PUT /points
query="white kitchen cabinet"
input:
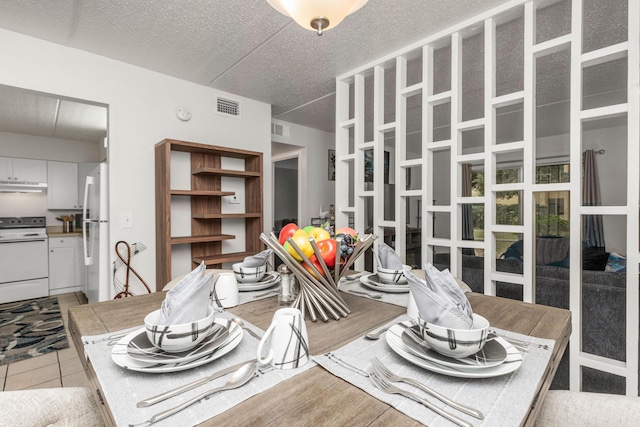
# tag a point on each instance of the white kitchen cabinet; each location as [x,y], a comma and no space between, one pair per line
[63,185]
[23,170]
[62,263]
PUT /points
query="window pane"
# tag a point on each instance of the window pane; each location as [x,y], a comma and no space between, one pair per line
[442,69]
[442,122]
[510,124]
[473,77]
[552,108]
[609,135]
[413,135]
[604,23]
[553,21]
[604,84]
[508,207]
[552,213]
[390,94]
[441,175]
[414,67]
[552,174]
[472,141]
[510,56]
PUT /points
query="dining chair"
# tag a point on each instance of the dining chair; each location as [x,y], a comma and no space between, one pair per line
[563,408]
[69,407]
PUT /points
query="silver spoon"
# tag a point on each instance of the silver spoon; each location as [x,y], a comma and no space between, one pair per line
[240,377]
[240,323]
[376,335]
[374,296]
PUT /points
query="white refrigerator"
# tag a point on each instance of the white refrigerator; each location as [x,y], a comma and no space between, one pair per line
[95,234]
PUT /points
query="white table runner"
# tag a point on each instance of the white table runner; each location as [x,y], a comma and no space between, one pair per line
[504,400]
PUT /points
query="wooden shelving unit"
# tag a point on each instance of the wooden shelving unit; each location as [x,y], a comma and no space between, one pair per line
[206,205]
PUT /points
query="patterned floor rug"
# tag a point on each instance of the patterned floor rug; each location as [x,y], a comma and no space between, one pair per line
[30,328]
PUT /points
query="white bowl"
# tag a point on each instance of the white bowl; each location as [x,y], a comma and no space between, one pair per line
[456,343]
[248,274]
[388,275]
[176,338]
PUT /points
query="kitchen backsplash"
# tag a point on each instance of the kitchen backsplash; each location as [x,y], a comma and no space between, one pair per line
[29,204]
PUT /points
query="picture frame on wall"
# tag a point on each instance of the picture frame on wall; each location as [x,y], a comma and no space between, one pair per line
[368,166]
[332,165]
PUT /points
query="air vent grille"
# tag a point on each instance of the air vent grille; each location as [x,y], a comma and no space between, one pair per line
[228,107]
[279,130]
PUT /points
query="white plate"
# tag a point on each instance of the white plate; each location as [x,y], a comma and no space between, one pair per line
[121,358]
[492,354]
[268,280]
[511,363]
[141,349]
[371,281]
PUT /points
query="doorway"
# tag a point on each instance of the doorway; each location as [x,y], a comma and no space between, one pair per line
[285,192]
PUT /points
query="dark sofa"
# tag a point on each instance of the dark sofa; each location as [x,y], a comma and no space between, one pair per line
[603,313]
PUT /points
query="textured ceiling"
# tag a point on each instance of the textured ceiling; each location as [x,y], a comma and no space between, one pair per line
[244,47]
[247,48]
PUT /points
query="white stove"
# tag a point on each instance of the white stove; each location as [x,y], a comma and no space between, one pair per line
[24,258]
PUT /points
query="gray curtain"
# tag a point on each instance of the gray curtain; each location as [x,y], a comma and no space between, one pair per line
[592,232]
[467,213]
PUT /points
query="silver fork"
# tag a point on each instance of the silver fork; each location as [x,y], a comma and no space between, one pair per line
[386,373]
[383,385]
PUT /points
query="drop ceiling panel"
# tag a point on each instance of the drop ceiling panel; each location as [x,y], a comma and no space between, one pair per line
[83,122]
[26,112]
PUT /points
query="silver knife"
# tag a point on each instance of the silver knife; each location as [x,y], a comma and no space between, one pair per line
[176,391]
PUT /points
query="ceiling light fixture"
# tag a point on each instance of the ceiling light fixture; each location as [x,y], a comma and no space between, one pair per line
[317,15]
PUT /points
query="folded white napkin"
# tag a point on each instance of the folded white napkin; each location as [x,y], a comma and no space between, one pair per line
[188,300]
[388,258]
[257,260]
[440,299]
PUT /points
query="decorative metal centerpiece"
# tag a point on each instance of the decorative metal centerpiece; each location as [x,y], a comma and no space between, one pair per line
[318,295]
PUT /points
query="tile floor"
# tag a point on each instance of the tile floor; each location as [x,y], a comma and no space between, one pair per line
[57,369]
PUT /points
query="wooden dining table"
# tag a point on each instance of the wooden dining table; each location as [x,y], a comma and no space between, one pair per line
[317,397]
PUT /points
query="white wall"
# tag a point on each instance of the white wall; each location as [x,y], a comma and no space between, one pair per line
[44,148]
[141,113]
[314,148]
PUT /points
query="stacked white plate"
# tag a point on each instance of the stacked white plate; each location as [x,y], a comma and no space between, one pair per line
[499,358]
[372,281]
[271,278]
[136,353]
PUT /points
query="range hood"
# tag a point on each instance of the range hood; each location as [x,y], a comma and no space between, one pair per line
[22,187]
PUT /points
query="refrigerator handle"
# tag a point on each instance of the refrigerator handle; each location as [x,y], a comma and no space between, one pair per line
[85,209]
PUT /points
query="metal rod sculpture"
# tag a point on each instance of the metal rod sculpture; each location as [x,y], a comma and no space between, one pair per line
[319,295]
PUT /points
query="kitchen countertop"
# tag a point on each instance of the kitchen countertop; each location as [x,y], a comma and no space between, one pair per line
[56,231]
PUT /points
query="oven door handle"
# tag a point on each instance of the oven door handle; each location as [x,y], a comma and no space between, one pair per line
[23,241]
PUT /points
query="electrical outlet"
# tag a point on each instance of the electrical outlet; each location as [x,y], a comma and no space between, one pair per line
[234,200]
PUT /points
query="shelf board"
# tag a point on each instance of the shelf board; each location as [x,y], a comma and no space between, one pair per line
[181,240]
[222,258]
[225,172]
[201,193]
[226,215]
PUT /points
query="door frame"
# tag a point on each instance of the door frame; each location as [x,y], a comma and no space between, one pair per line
[293,154]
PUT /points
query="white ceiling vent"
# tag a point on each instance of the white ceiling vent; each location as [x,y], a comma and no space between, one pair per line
[279,130]
[228,107]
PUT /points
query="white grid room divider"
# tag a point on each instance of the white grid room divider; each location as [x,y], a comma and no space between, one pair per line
[518,93]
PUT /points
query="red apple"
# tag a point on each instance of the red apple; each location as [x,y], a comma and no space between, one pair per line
[328,249]
[316,264]
[286,232]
